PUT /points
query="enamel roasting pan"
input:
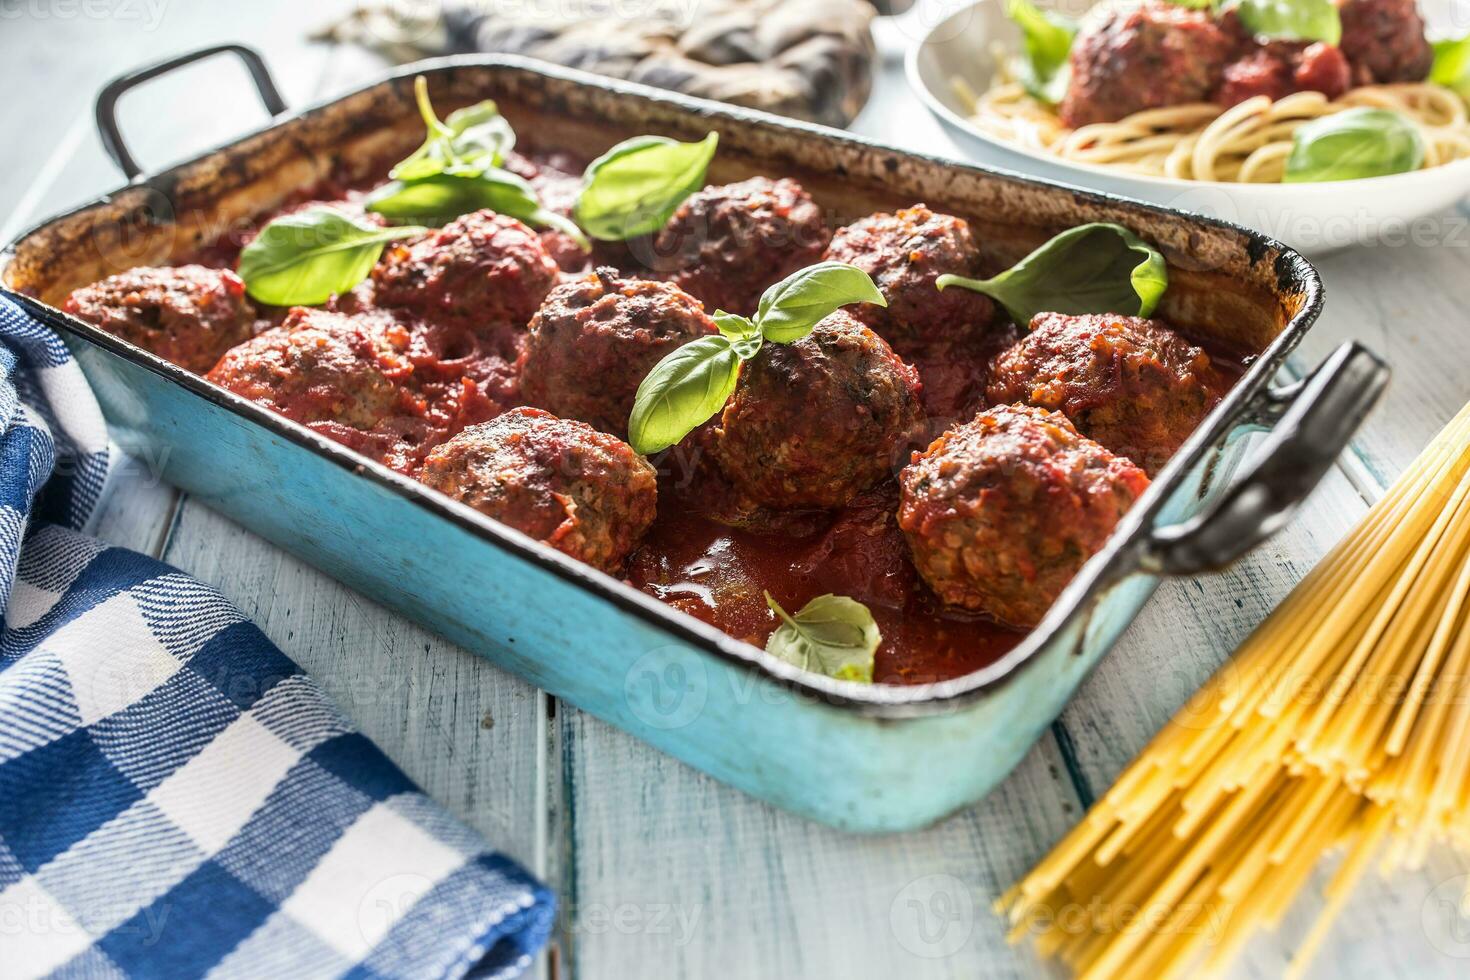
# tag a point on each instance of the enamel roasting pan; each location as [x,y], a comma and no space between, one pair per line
[867,758]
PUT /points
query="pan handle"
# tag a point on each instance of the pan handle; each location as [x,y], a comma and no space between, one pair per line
[1316,419]
[107,127]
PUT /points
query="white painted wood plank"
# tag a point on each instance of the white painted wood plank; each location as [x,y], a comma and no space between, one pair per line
[667,866]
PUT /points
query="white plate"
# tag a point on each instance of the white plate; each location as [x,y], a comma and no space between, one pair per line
[1312,218]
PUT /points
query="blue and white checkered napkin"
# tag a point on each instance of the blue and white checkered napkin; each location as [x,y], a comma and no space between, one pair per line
[176,798]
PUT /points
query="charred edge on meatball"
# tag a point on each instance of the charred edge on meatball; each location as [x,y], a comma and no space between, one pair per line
[585,493]
[1001,512]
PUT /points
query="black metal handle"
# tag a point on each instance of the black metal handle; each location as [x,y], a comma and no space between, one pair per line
[1317,419]
[107,127]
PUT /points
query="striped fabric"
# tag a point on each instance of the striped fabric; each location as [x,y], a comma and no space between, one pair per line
[176,798]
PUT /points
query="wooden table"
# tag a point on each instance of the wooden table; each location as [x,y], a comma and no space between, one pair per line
[660,869]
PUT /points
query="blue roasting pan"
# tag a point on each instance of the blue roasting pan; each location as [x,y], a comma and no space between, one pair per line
[836,752]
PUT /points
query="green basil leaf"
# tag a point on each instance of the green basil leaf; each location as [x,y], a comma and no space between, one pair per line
[831,635]
[792,307]
[304,259]
[1352,144]
[1093,268]
[682,392]
[636,186]
[735,326]
[444,197]
[1046,39]
[1452,65]
[1290,20]
[473,140]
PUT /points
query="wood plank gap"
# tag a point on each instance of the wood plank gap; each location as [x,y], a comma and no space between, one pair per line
[1067,749]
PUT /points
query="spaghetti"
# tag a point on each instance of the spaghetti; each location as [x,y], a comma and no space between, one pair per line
[1246,143]
[1340,723]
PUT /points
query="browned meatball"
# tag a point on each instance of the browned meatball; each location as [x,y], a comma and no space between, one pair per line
[1002,511]
[814,423]
[1130,58]
[483,268]
[1134,385]
[189,315]
[905,253]
[726,244]
[581,491]
[1385,42]
[1279,68]
[595,339]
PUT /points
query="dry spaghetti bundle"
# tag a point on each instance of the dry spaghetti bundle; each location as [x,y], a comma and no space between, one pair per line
[1342,722]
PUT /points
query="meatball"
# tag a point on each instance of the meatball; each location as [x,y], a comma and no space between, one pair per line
[1280,68]
[189,315]
[1384,41]
[1134,385]
[726,244]
[483,268]
[596,338]
[905,253]
[1001,511]
[581,491]
[1130,58]
[813,423]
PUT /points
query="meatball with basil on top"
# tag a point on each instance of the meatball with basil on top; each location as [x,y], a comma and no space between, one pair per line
[189,315]
[815,422]
[1001,512]
[1133,385]
[595,339]
[904,253]
[726,244]
[483,268]
[585,493]
[1131,57]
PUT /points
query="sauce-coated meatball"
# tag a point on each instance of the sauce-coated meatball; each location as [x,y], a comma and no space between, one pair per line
[581,491]
[596,338]
[1280,68]
[1129,57]
[1384,40]
[726,244]
[189,315]
[813,423]
[1133,385]
[483,268]
[1002,511]
[904,253]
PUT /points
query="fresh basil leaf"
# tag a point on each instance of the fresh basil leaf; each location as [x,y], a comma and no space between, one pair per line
[473,140]
[682,392]
[1452,65]
[792,307]
[444,197]
[832,635]
[636,186]
[1290,20]
[735,326]
[1094,268]
[1046,39]
[304,259]
[1352,144]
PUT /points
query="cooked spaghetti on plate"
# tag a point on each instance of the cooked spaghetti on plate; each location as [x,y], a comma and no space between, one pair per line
[1258,91]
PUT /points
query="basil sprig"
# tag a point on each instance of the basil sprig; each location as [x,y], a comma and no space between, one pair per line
[1288,20]
[1046,38]
[458,170]
[1451,67]
[470,142]
[1094,268]
[635,187]
[692,383]
[304,259]
[832,635]
[1352,144]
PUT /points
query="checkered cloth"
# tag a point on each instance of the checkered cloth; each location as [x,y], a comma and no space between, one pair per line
[176,798]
